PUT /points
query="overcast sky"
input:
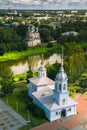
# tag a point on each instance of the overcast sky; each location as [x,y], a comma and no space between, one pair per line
[44,4]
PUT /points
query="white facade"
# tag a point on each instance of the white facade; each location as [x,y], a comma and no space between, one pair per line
[38,83]
[33,37]
[70,33]
[52,97]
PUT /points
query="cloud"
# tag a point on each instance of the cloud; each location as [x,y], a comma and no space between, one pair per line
[74,3]
[44,4]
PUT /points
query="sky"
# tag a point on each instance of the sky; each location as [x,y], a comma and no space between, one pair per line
[43,4]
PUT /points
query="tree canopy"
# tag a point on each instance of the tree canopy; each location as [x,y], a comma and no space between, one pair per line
[10,40]
[75,62]
[6,80]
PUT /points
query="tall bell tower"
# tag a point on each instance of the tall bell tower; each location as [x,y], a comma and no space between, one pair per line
[60,91]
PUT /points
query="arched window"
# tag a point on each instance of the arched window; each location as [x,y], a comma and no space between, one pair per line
[63,101]
[55,85]
[43,74]
[64,87]
[59,86]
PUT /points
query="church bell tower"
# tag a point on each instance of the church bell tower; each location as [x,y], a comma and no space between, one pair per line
[60,91]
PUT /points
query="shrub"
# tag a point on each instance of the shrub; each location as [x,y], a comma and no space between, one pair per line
[38,112]
[50,44]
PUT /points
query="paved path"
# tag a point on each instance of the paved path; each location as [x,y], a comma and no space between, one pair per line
[9,119]
[75,122]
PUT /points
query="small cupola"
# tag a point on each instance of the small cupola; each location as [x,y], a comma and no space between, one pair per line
[42,69]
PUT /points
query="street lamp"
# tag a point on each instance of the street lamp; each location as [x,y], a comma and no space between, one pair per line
[17,106]
[28,121]
[0,110]
[7,99]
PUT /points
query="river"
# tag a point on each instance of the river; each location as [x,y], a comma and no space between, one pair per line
[21,66]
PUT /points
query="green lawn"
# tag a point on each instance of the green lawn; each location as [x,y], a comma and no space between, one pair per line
[21,97]
[15,55]
[35,51]
[20,77]
[32,51]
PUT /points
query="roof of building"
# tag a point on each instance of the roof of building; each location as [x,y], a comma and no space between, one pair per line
[61,75]
[70,32]
[45,96]
[41,81]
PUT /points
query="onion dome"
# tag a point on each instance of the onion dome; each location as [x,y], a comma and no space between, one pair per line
[61,76]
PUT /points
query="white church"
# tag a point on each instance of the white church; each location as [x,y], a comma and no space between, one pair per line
[33,36]
[52,96]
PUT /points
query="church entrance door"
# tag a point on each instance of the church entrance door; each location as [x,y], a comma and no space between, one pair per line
[63,113]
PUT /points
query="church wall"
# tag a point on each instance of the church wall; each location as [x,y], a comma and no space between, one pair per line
[32,88]
[60,97]
[63,96]
[54,115]
[34,42]
[47,113]
[39,88]
[51,86]
[71,110]
[41,106]
[33,38]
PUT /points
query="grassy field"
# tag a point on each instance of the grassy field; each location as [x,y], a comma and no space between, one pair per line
[33,51]
[20,97]
[20,77]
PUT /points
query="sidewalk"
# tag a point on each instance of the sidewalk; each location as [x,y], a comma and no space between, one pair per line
[9,119]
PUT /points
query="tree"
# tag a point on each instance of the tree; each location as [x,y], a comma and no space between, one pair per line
[50,45]
[6,80]
[2,49]
[52,70]
[45,34]
[11,40]
[21,30]
[29,73]
[83,83]
[74,61]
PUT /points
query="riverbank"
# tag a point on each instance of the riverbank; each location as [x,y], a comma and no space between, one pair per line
[47,51]
[32,51]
